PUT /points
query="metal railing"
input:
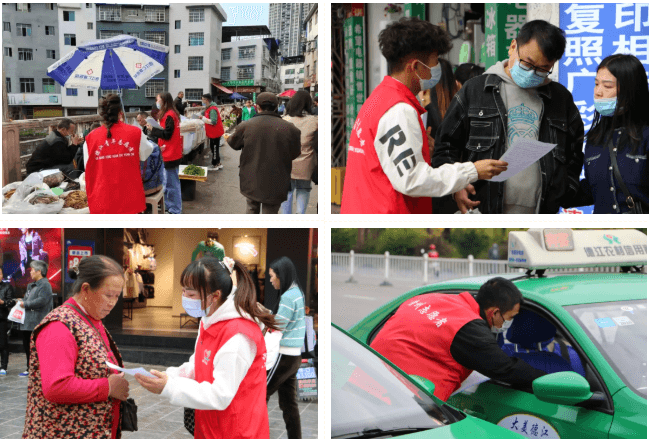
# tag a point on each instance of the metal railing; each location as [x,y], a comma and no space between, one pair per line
[386,268]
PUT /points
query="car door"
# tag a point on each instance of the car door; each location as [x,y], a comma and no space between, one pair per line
[522,412]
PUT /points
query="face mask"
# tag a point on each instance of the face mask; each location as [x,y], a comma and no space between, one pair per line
[193,307]
[436,73]
[605,106]
[525,79]
[503,328]
[158,105]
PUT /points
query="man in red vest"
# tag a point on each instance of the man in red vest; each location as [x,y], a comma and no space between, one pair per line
[388,159]
[213,129]
[444,337]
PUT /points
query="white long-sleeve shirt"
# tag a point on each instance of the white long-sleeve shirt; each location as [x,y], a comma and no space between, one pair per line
[419,179]
[230,365]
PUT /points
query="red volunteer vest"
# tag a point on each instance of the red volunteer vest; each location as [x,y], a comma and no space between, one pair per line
[172,149]
[366,188]
[213,131]
[113,180]
[418,338]
[246,417]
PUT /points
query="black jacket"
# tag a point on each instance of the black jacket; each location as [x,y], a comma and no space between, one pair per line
[7,295]
[178,103]
[53,151]
[475,128]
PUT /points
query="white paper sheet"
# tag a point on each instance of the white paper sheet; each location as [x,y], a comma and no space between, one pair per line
[196,115]
[139,370]
[521,155]
[154,123]
[471,383]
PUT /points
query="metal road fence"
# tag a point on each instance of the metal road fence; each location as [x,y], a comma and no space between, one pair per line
[386,267]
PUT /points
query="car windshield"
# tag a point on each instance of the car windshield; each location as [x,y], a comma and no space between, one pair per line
[619,330]
[370,397]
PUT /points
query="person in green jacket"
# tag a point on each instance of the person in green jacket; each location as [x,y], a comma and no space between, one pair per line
[248,112]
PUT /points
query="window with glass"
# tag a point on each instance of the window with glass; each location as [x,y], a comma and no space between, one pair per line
[23,7]
[109,13]
[106,33]
[153,88]
[246,72]
[89,5]
[177,24]
[193,94]
[177,73]
[50,53]
[155,36]
[6,26]
[289,71]
[247,52]
[196,15]
[302,70]
[196,39]
[154,13]
[131,13]
[225,54]
[72,92]
[91,93]
[109,92]
[177,48]
[23,30]
[68,15]
[27,85]
[49,30]
[8,84]
[70,39]
[50,6]
[194,63]
[90,25]
[8,52]
[25,54]
[225,73]
[48,85]
[288,81]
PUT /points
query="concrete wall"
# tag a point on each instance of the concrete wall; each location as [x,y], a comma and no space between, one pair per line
[551,13]
[163,241]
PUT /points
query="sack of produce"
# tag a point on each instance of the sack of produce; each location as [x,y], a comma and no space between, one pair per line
[75,202]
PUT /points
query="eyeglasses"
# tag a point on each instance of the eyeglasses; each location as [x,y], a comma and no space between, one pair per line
[525,65]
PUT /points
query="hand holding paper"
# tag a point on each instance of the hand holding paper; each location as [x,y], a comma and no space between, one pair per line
[153,123]
[521,155]
[139,370]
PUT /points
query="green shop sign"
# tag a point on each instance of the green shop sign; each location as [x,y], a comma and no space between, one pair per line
[241,83]
[502,24]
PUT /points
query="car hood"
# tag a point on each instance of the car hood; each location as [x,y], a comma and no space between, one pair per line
[469,427]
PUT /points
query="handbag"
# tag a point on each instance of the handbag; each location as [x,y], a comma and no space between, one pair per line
[188,419]
[634,206]
[128,408]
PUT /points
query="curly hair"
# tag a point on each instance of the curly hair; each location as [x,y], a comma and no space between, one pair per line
[411,38]
[109,108]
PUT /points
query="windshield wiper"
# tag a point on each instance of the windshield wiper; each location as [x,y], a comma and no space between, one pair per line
[377,432]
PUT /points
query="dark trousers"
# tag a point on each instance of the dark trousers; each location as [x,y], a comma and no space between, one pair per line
[282,378]
[214,147]
[253,207]
[27,335]
[4,344]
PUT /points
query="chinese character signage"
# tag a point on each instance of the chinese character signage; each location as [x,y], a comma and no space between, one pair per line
[502,24]
[238,83]
[307,380]
[75,250]
[593,32]
[355,72]
[529,426]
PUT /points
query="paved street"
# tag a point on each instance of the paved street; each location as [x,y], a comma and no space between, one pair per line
[156,418]
[220,193]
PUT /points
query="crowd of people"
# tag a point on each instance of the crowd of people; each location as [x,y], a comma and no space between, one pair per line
[123,164]
[401,162]
[227,382]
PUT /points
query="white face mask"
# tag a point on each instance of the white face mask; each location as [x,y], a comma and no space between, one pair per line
[503,328]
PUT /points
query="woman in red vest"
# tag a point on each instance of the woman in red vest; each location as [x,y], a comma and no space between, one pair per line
[213,129]
[112,155]
[171,145]
[225,379]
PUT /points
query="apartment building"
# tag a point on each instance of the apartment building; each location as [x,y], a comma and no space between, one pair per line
[286,24]
[311,51]
[77,25]
[195,43]
[30,45]
[292,76]
[147,22]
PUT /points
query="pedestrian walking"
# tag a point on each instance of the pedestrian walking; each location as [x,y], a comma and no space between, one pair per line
[291,317]
[171,145]
[213,129]
[7,301]
[298,113]
[72,393]
[268,146]
[224,380]
[248,111]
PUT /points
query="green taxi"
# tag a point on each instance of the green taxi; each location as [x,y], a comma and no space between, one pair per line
[587,329]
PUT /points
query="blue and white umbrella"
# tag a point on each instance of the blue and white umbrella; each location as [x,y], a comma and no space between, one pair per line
[121,62]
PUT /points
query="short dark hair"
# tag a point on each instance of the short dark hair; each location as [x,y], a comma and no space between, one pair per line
[467,71]
[631,95]
[299,103]
[93,270]
[207,96]
[411,37]
[550,38]
[65,123]
[143,114]
[268,107]
[498,292]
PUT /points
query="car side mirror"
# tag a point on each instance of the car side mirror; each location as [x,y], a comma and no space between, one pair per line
[568,388]
[424,383]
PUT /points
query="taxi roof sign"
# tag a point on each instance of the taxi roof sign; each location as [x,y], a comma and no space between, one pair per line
[549,248]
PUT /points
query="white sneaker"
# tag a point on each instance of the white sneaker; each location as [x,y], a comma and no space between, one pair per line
[213,168]
[23,374]
[219,166]
[3,372]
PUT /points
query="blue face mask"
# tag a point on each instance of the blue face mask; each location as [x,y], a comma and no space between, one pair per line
[436,73]
[193,307]
[525,79]
[158,105]
[605,106]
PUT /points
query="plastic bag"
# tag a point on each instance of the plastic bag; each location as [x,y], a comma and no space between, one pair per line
[17,314]
[272,341]
[9,187]
[25,207]
[188,142]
